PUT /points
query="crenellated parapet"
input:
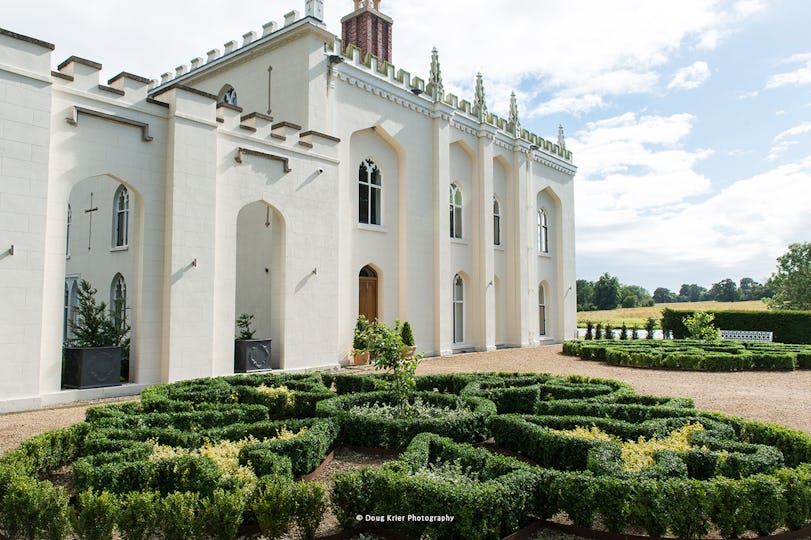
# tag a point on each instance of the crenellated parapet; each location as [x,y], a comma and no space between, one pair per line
[432,92]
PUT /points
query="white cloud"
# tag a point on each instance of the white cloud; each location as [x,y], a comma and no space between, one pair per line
[630,166]
[574,105]
[801,75]
[690,77]
[727,230]
[786,139]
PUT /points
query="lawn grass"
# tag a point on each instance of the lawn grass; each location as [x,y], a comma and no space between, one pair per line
[637,316]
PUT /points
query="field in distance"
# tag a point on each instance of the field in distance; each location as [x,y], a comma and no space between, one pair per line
[638,315]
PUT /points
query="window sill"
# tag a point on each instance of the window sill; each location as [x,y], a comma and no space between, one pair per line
[372,228]
[499,247]
[459,241]
[545,255]
[119,248]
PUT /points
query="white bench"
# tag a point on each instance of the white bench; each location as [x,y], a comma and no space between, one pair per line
[746,335]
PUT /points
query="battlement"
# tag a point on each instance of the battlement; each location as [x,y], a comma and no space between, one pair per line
[233,47]
[417,86]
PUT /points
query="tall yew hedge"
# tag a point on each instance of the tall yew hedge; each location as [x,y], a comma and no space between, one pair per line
[787,326]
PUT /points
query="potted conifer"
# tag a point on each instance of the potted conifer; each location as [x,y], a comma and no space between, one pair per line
[409,345]
[360,342]
[92,359]
[251,354]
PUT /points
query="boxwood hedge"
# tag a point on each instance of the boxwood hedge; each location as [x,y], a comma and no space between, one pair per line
[732,475]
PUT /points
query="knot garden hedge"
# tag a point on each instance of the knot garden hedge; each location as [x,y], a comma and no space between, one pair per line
[694,355]
[204,458]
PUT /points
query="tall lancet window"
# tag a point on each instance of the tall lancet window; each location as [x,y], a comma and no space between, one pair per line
[67,232]
[541,311]
[370,187]
[121,215]
[118,301]
[496,222]
[456,211]
[543,231]
[458,309]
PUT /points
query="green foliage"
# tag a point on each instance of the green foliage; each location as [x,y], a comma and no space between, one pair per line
[96,516]
[94,326]
[407,335]
[487,494]
[791,283]
[138,515]
[787,326]
[650,326]
[360,340]
[607,292]
[624,332]
[34,509]
[222,513]
[364,428]
[589,330]
[273,505]
[699,326]
[309,507]
[244,322]
[178,516]
[386,353]
[598,331]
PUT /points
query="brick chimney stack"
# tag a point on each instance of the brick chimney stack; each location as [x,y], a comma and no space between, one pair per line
[368,29]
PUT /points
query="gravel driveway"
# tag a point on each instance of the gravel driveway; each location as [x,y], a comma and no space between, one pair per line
[773,396]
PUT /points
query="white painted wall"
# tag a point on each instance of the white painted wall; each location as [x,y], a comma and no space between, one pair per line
[198,245]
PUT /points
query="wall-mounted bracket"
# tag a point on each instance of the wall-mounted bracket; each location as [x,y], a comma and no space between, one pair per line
[73,120]
[248,152]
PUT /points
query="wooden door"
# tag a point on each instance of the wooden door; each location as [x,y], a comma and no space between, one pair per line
[367,300]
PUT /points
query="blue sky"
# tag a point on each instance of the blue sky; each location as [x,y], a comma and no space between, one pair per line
[690,120]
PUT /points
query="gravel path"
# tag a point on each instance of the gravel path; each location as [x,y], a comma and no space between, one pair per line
[773,396]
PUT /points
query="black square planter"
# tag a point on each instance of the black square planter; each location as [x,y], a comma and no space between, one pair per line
[94,367]
[252,355]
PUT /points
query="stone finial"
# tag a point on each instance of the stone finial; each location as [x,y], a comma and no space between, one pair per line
[248,38]
[514,122]
[374,4]
[230,47]
[166,77]
[212,55]
[181,70]
[561,139]
[314,9]
[479,103]
[197,62]
[435,77]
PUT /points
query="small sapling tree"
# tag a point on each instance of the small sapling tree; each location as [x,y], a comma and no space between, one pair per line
[700,326]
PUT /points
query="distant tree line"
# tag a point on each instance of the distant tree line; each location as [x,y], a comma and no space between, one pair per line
[608,293]
[725,290]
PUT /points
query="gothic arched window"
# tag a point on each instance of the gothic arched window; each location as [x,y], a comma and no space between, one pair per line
[458,309]
[121,214]
[370,187]
[543,231]
[227,95]
[118,301]
[456,211]
[496,222]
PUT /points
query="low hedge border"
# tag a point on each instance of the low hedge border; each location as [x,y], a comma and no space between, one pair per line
[383,432]
[693,355]
[492,506]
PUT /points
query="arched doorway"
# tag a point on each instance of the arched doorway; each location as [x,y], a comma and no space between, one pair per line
[367,293]
[259,287]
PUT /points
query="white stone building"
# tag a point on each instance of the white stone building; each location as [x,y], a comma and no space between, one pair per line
[296,176]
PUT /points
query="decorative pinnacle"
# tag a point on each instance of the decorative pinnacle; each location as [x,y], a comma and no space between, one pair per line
[514,122]
[480,104]
[435,77]
[561,139]
[374,4]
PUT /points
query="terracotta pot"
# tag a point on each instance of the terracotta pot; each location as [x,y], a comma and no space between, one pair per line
[360,359]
